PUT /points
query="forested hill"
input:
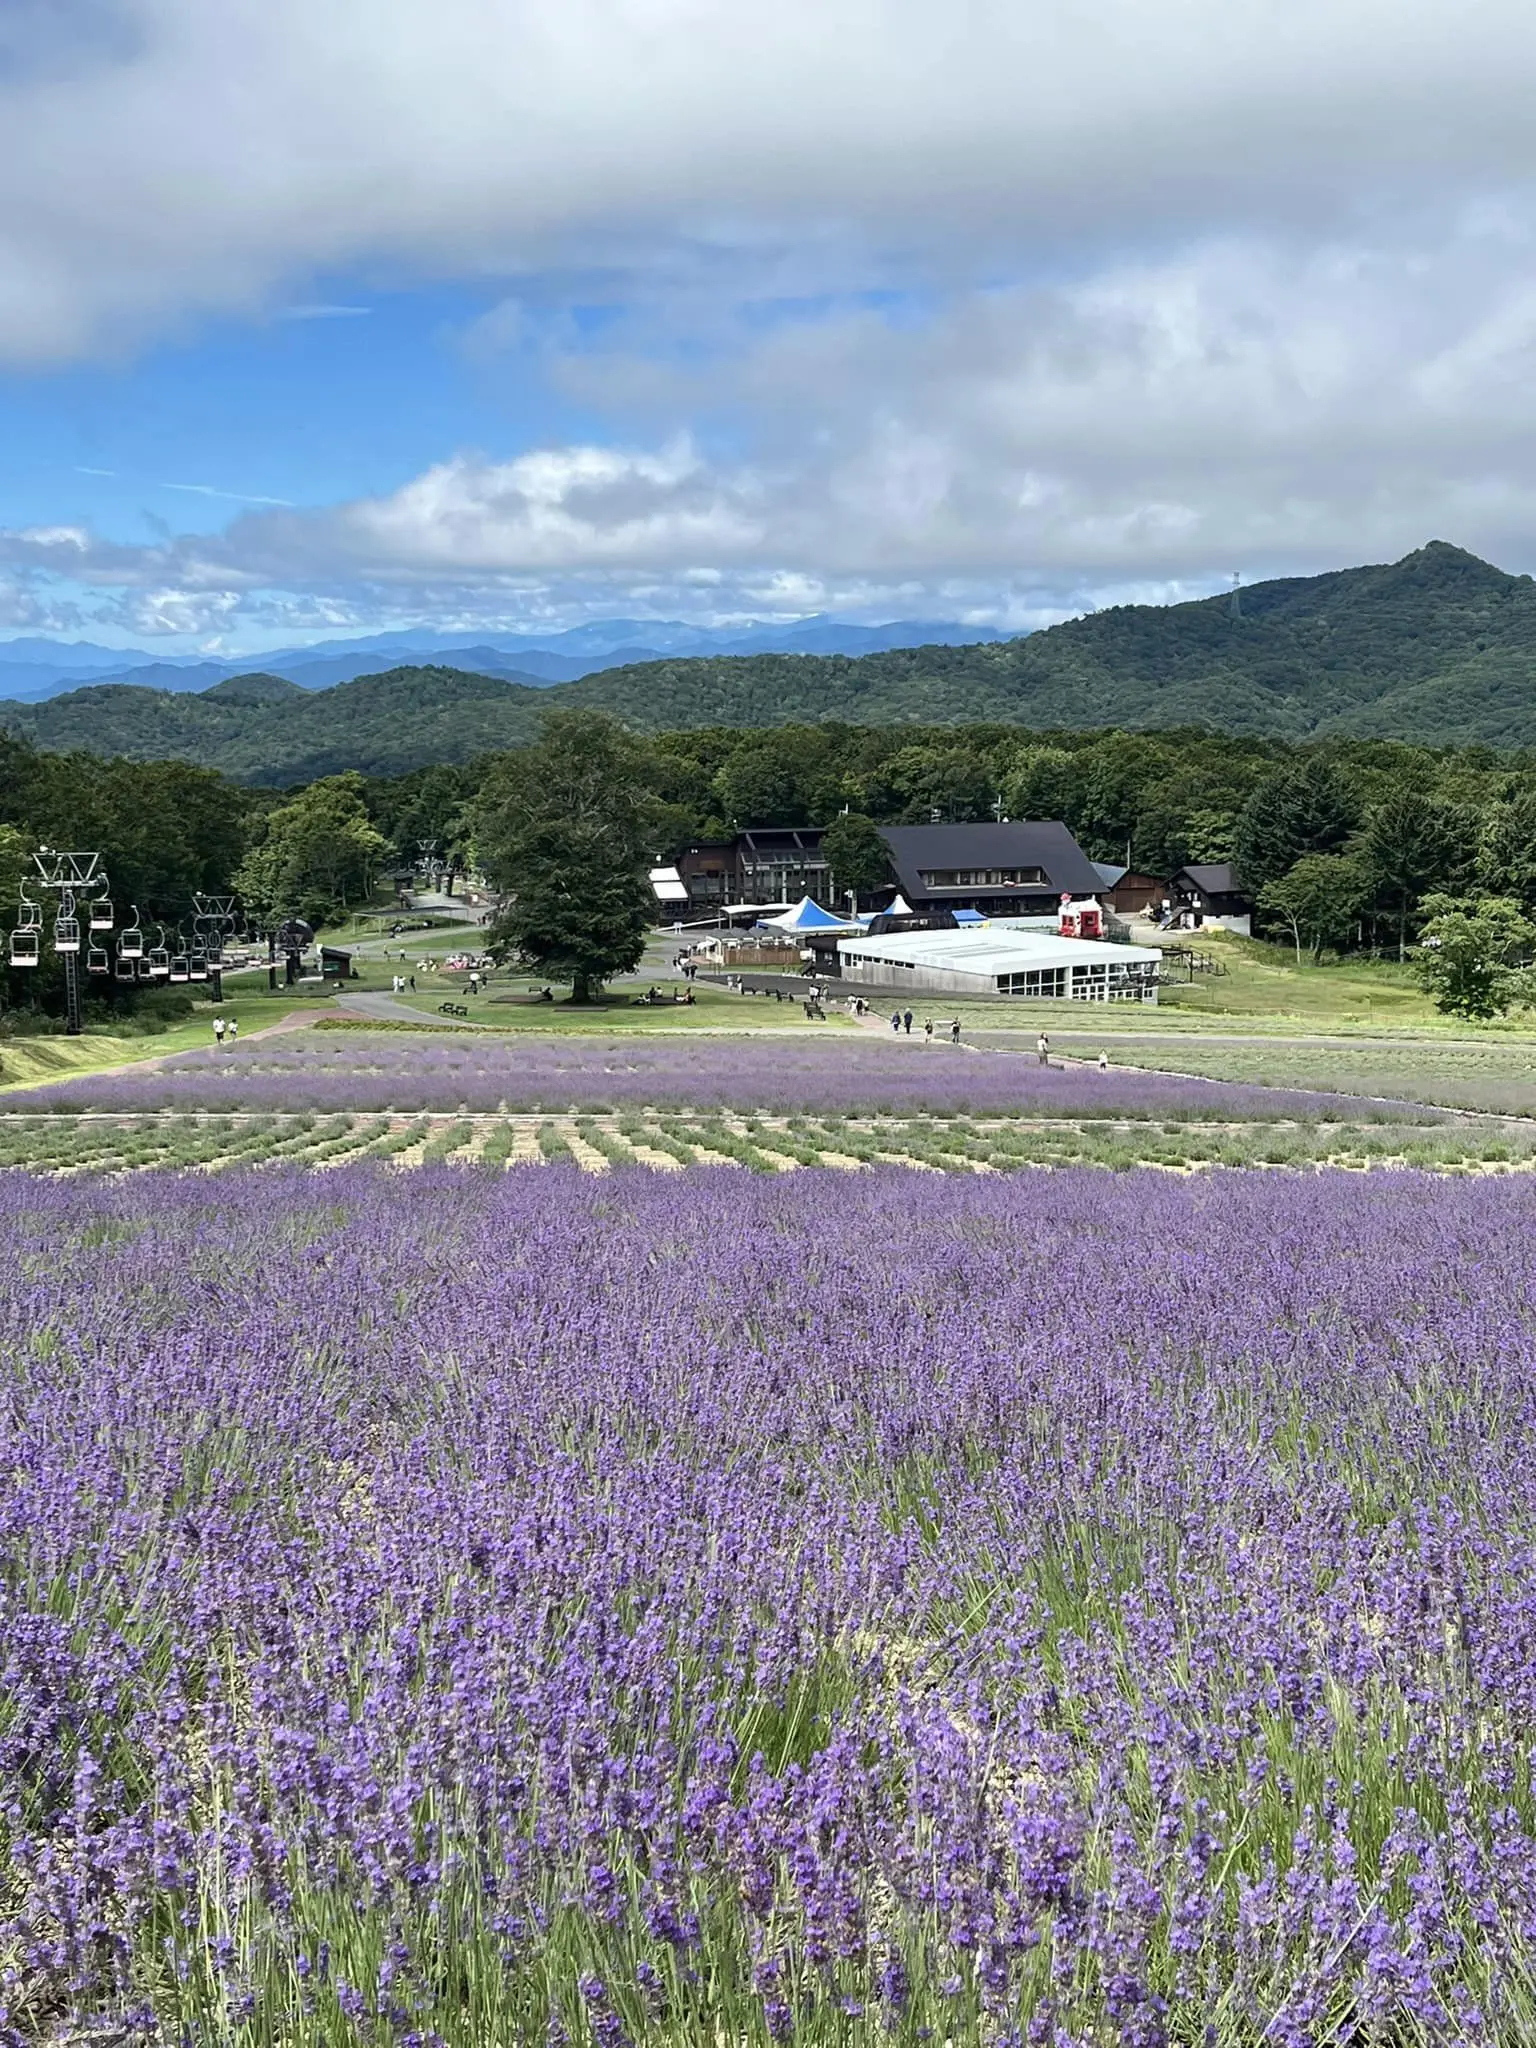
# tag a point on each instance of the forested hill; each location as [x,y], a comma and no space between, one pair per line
[1439,648]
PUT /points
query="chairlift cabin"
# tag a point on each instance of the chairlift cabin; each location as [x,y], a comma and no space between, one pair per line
[179,967]
[66,934]
[197,967]
[158,961]
[130,943]
[146,971]
[126,970]
[24,946]
[213,952]
[96,961]
[101,914]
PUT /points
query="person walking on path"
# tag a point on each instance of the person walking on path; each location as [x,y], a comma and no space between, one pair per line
[954,1032]
[218,1030]
[928,1032]
[896,1020]
[234,1029]
[1103,1062]
[1043,1049]
[906,1018]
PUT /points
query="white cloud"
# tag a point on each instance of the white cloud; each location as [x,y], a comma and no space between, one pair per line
[1153,425]
[164,157]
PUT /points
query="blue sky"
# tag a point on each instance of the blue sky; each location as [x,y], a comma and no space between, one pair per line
[480,314]
[342,394]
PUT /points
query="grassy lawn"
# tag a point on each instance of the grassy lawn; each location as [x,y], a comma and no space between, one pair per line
[1496,1077]
[1406,1048]
[508,1006]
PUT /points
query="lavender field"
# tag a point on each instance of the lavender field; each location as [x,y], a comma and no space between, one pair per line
[1068,1609]
[362,1072]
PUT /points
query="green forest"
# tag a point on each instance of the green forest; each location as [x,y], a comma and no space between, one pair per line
[1392,824]
[1438,650]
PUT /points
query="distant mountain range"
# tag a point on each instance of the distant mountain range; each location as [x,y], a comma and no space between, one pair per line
[33,670]
[1439,648]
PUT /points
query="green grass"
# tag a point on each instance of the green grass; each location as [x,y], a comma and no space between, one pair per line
[1498,1077]
[506,1007]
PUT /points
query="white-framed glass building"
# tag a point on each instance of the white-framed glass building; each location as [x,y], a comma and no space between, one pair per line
[1002,960]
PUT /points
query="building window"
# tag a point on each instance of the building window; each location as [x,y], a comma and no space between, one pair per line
[983,878]
[1035,981]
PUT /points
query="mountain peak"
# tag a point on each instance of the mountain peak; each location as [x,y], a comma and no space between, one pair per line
[1446,569]
[256,688]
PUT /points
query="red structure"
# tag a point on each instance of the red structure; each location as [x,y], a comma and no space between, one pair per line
[1081,918]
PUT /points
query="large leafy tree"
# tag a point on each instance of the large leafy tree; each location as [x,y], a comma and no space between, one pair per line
[14,866]
[1305,809]
[315,857]
[565,830]
[1474,954]
[1318,903]
[856,854]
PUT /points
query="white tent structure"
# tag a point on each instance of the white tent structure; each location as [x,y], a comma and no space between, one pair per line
[668,885]
[1004,960]
[807,917]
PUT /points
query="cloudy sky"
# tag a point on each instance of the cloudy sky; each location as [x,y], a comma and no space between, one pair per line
[476,313]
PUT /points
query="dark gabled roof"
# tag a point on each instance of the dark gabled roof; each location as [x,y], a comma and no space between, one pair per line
[783,838]
[1046,844]
[1212,878]
[1110,875]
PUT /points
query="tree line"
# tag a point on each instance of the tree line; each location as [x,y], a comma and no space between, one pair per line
[1342,843]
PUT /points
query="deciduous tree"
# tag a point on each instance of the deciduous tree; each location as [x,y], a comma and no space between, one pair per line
[1318,903]
[1474,954]
[565,830]
[856,854]
[314,858]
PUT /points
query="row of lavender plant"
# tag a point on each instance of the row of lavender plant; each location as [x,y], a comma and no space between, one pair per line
[716,1609]
[353,1071]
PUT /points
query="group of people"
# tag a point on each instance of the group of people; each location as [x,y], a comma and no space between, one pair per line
[401,982]
[223,1028]
[901,1021]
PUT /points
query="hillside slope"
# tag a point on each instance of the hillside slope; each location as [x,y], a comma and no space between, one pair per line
[260,729]
[1439,648]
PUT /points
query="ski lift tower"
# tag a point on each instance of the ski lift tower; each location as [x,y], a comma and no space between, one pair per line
[213,919]
[70,877]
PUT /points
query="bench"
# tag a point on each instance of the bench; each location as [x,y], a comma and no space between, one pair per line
[452,1010]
